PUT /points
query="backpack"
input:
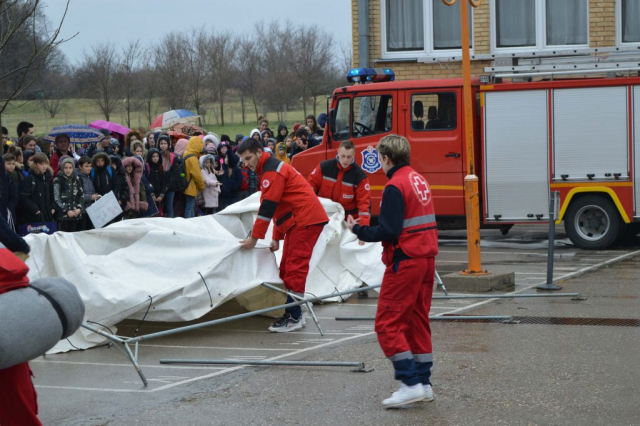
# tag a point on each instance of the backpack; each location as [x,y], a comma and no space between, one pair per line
[181,179]
[92,174]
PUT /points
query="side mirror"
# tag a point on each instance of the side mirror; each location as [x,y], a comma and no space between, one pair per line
[332,120]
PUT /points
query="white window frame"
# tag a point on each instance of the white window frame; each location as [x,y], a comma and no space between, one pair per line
[541,32]
[429,51]
[619,41]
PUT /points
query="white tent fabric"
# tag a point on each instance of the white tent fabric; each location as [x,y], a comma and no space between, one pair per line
[158,267]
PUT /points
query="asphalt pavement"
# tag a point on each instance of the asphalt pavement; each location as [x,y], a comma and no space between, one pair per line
[560,361]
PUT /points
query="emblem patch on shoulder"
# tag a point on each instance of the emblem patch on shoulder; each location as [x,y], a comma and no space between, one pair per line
[370,160]
[420,187]
[265,183]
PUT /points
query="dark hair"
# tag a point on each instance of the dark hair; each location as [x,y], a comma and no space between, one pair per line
[347,144]
[40,158]
[314,128]
[302,132]
[23,127]
[25,140]
[250,145]
[9,157]
[83,160]
[263,120]
[16,151]
[5,131]
[61,136]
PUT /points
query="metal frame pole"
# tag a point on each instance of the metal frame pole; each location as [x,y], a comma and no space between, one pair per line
[554,203]
[575,296]
[295,296]
[360,367]
[131,340]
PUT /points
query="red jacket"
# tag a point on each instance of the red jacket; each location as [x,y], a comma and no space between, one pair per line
[13,271]
[286,198]
[347,186]
[419,236]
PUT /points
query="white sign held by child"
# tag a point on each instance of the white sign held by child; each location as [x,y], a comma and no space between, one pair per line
[104,210]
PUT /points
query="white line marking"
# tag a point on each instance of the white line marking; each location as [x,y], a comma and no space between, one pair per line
[101,364]
[211,347]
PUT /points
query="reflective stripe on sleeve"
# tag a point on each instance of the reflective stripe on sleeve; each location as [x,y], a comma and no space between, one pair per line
[419,220]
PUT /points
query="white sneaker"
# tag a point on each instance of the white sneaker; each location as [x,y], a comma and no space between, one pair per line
[286,324]
[428,393]
[405,395]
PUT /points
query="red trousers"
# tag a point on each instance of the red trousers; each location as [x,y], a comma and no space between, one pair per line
[18,398]
[402,318]
[296,254]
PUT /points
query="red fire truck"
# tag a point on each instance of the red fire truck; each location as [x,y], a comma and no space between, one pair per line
[578,136]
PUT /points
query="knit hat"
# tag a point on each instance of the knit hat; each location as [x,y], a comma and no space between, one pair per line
[66,159]
[239,137]
[181,147]
[254,131]
[296,127]
[224,138]
[322,120]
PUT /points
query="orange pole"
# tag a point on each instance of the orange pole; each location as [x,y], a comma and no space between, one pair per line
[471,192]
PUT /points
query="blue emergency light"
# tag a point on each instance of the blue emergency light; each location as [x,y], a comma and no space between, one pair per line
[370,75]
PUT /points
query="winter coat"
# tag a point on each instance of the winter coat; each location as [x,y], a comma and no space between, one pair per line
[171,166]
[68,195]
[87,189]
[121,190]
[36,196]
[192,166]
[8,193]
[156,175]
[104,180]
[284,157]
[137,195]
[231,180]
[211,185]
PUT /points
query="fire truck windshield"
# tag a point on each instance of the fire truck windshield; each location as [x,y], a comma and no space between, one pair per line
[363,116]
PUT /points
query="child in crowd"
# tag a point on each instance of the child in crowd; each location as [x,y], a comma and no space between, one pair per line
[8,192]
[211,184]
[271,144]
[120,190]
[137,148]
[35,192]
[88,191]
[171,167]
[68,196]
[281,152]
[156,177]
[18,173]
[137,202]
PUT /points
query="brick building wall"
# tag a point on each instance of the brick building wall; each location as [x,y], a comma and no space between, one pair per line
[602,33]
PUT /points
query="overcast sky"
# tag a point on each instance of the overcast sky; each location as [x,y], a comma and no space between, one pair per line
[121,21]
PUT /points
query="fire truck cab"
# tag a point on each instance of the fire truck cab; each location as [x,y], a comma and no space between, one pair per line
[576,136]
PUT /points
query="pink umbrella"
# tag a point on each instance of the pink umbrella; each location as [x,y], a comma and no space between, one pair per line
[112,127]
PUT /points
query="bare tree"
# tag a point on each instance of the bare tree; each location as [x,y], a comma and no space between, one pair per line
[100,78]
[249,72]
[56,85]
[172,76]
[148,91]
[26,46]
[312,63]
[222,52]
[130,78]
[197,69]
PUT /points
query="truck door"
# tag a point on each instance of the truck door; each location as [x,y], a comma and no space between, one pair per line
[372,116]
[433,125]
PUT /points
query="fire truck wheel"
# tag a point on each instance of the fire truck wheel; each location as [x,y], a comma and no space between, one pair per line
[592,222]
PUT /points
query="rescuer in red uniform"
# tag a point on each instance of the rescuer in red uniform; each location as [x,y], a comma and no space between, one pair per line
[343,181]
[298,218]
[18,401]
[407,229]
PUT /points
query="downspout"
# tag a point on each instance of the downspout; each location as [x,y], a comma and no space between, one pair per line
[363,33]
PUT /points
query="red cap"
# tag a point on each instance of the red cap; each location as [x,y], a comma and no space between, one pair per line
[13,271]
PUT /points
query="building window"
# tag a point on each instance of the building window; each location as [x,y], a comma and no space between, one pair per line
[539,24]
[421,28]
[628,21]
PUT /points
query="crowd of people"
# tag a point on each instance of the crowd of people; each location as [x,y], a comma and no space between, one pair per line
[150,174]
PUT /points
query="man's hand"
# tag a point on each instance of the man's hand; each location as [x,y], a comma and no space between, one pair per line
[95,197]
[274,246]
[249,243]
[159,199]
[351,222]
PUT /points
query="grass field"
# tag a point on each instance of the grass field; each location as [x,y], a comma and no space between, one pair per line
[84,111]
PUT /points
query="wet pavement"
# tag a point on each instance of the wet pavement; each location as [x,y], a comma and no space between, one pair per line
[486,373]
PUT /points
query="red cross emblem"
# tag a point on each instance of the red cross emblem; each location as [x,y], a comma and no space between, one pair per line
[420,187]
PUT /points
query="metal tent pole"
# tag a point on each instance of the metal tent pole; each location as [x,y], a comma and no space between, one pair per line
[507,318]
[360,367]
[575,296]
